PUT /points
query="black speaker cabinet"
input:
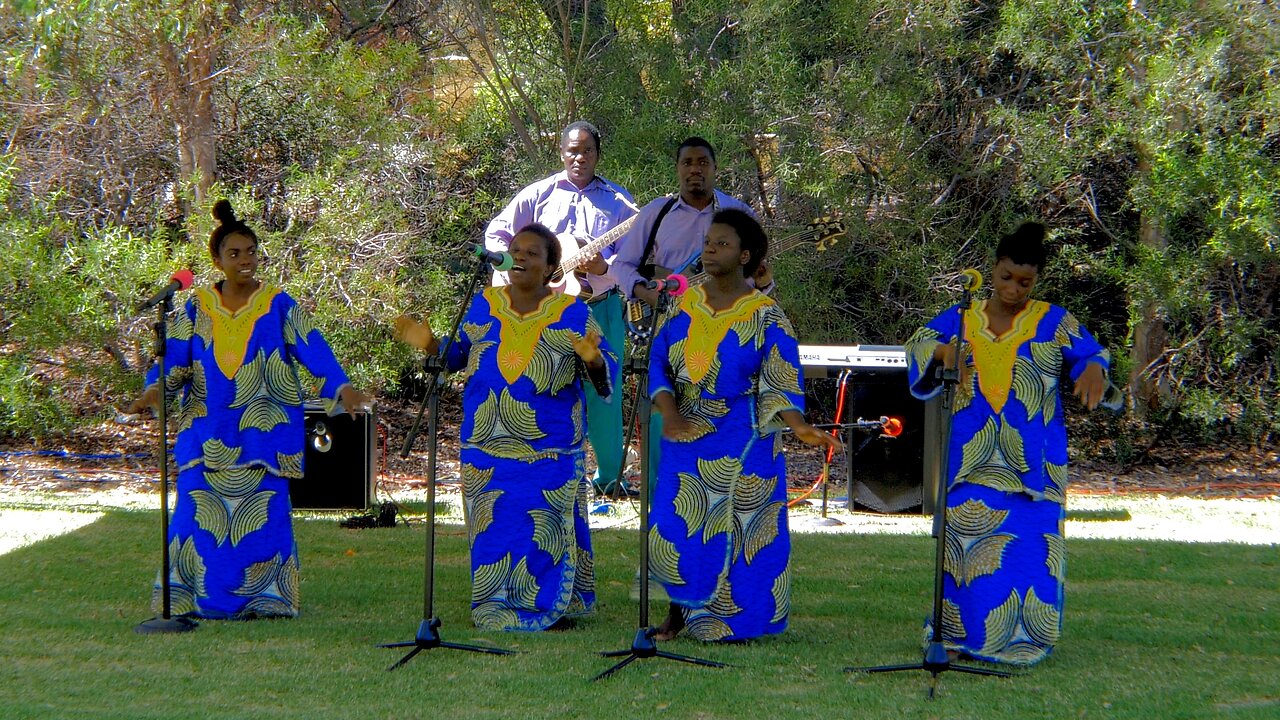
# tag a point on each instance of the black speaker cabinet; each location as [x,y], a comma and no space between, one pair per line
[884,474]
[338,468]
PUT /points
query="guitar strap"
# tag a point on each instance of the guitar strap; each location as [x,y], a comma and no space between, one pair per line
[653,236]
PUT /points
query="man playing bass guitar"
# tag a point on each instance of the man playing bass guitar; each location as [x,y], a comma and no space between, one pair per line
[667,237]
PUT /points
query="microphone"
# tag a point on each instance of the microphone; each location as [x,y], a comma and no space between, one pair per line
[180,280]
[971,280]
[673,285]
[501,261]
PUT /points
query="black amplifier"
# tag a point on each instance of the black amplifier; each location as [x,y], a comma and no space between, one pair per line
[339,464]
[885,474]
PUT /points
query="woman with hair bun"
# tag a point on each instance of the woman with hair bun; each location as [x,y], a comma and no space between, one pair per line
[1006,494]
[233,351]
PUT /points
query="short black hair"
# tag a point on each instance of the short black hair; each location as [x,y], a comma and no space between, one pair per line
[584,126]
[696,141]
[227,225]
[1024,246]
[549,239]
[751,237]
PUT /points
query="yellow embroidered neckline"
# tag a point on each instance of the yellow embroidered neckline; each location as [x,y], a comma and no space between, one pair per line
[232,330]
[708,327]
[518,333]
[994,355]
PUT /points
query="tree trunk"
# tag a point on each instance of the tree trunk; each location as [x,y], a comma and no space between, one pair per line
[190,73]
[201,128]
[1149,334]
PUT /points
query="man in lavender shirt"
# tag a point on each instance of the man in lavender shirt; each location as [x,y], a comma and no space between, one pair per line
[579,205]
[681,228]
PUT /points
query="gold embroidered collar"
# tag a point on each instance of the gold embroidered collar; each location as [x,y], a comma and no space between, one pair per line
[518,333]
[232,330]
[708,327]
[994,355]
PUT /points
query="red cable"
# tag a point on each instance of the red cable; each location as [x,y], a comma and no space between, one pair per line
[826,465]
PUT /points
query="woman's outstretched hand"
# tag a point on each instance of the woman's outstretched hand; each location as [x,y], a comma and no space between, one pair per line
[416,334]
[353,400]
[588,348]
[150,400]
[1090,386]
[811,435]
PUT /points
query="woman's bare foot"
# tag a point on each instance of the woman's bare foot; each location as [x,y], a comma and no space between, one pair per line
[672,626]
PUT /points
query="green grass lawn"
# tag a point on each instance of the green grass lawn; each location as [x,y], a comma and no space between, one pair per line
[1153,630]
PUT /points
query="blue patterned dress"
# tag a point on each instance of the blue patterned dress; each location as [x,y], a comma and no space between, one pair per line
[1005,560]
[241,434]
[719,542]
[524,485]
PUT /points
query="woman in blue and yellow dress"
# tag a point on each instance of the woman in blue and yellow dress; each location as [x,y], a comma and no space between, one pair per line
[1005,560]
[233,351]
[526,351]
[724,372]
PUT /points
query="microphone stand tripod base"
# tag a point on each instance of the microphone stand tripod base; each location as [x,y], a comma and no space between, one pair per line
[643,647]
[163,625]
[428,637]
[935,662]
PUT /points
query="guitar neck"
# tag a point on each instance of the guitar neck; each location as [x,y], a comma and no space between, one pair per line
[590,249]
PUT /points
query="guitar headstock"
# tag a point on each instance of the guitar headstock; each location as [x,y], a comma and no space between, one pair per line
[827,231]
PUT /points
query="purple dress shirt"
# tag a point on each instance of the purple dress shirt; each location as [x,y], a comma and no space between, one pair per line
[566,210]
[679,238]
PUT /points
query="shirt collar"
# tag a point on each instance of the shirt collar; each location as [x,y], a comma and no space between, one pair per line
[712,208]
[563,181]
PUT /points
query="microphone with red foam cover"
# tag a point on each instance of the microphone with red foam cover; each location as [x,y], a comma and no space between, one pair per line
[180,280]
[673,285]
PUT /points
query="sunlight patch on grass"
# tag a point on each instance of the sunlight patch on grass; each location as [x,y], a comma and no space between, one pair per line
[19,528]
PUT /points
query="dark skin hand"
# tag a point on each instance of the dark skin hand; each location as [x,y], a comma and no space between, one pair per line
[1089,387]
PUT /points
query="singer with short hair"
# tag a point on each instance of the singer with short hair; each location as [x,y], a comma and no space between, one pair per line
[725,375]
[233,351]
[527,351]
[1007,476]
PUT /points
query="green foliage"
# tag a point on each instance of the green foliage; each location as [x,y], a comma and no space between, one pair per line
[69,336]
[367,154]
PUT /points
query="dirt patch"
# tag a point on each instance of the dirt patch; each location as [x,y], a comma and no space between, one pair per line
[120,456]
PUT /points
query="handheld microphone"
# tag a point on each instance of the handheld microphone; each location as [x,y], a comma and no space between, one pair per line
[971,279]
[180,280]
[500,261]
[673,285]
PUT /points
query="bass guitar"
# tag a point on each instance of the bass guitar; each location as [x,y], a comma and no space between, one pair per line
[823,233]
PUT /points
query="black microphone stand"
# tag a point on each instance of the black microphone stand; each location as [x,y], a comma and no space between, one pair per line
[165,623]
[644,646]
[935,660]
[428,636]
